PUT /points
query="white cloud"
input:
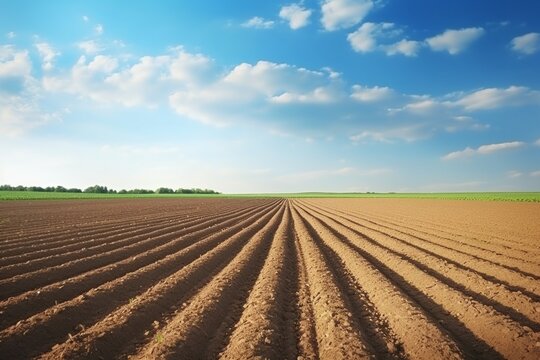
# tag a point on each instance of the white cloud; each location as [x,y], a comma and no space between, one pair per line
[11,35]
[47,54]
[373,94]
[526,44]
[20,109]
[257,22]
[364,39]
[19,114]
[99,29]
[90,47]
[483,150]
[319,95]
[467,152]
[404,47]
[514,174]
[535,173]
[405,133]
[148,82]
[85,18]
[375,37]
[492,98]
[484,99]
[14,63]
[296,15]
[340,14]
[491,148]
[455,41]
[252,92]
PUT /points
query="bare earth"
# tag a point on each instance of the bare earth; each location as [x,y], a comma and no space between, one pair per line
[269,278]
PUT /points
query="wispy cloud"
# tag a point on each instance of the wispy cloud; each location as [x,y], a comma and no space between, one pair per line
[90,46]
[296,15]
[527,44]
[47,54]
[99,29]
[257,22]
[455,41]
[514,174]
[11,35]
[371,94]
[483,150]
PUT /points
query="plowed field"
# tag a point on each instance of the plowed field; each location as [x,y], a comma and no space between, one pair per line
[269,278]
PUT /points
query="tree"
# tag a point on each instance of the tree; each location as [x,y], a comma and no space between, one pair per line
[97,189]
[163,190]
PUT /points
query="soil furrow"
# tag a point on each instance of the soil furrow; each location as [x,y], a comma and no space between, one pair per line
[25,282]
[467,319]
[83,237]
[467,282]
[54,325]
[410,227]
[32,302]
[338,332]
[524,267]
[418,336]
[105,245]
[512,279]
[133,319]
[263,330]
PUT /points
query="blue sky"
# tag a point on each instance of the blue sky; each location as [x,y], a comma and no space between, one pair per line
[253,96]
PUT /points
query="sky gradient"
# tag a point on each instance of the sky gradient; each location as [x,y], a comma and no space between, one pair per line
[253,96]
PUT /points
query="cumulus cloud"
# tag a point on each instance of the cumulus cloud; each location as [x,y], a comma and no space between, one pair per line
[85,18]
[404,47]
[296,15]
[455,41]
[47,54]
[483,150]
[340,14]
[20,108]
[381,37]
[370,94]
[145,83]
[99,29]
[90,47]
[364,39]
[526,44]
[254,92]
[14,63]
[11,35]
[277,97]
[257,22]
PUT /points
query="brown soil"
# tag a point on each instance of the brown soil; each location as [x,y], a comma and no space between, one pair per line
[269,279]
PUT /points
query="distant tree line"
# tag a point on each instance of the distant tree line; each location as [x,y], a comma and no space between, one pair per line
[98,189]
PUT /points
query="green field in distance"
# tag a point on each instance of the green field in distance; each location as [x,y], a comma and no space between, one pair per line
[497,196]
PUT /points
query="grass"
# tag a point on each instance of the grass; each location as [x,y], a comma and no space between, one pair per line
[493,196]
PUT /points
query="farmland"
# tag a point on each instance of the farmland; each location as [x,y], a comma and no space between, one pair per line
[240,278]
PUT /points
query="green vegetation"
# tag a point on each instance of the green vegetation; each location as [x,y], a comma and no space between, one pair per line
[8,192]
[169,193]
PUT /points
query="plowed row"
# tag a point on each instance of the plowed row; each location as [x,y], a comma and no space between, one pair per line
[269,278]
